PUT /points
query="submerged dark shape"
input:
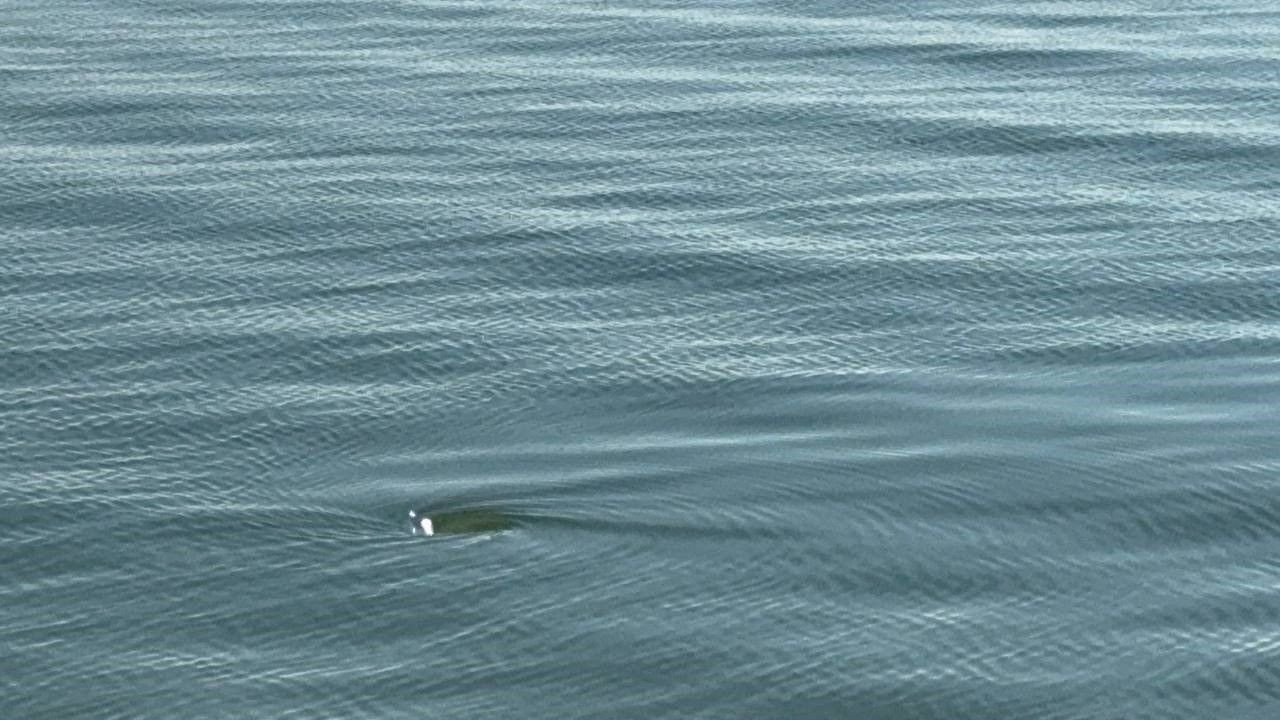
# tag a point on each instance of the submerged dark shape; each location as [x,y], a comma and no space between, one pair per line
[474,520]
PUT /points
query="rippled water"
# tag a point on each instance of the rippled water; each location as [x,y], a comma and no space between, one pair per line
[834,359]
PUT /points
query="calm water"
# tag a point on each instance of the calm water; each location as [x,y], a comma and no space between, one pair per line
[835,359]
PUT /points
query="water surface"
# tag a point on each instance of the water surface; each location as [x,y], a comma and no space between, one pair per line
[834,359]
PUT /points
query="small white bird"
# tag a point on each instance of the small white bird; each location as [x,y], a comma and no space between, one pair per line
[422,523]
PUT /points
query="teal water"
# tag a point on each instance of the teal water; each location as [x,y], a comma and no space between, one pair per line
[831,360]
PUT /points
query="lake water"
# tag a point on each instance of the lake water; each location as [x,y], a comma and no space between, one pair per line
[833,359]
